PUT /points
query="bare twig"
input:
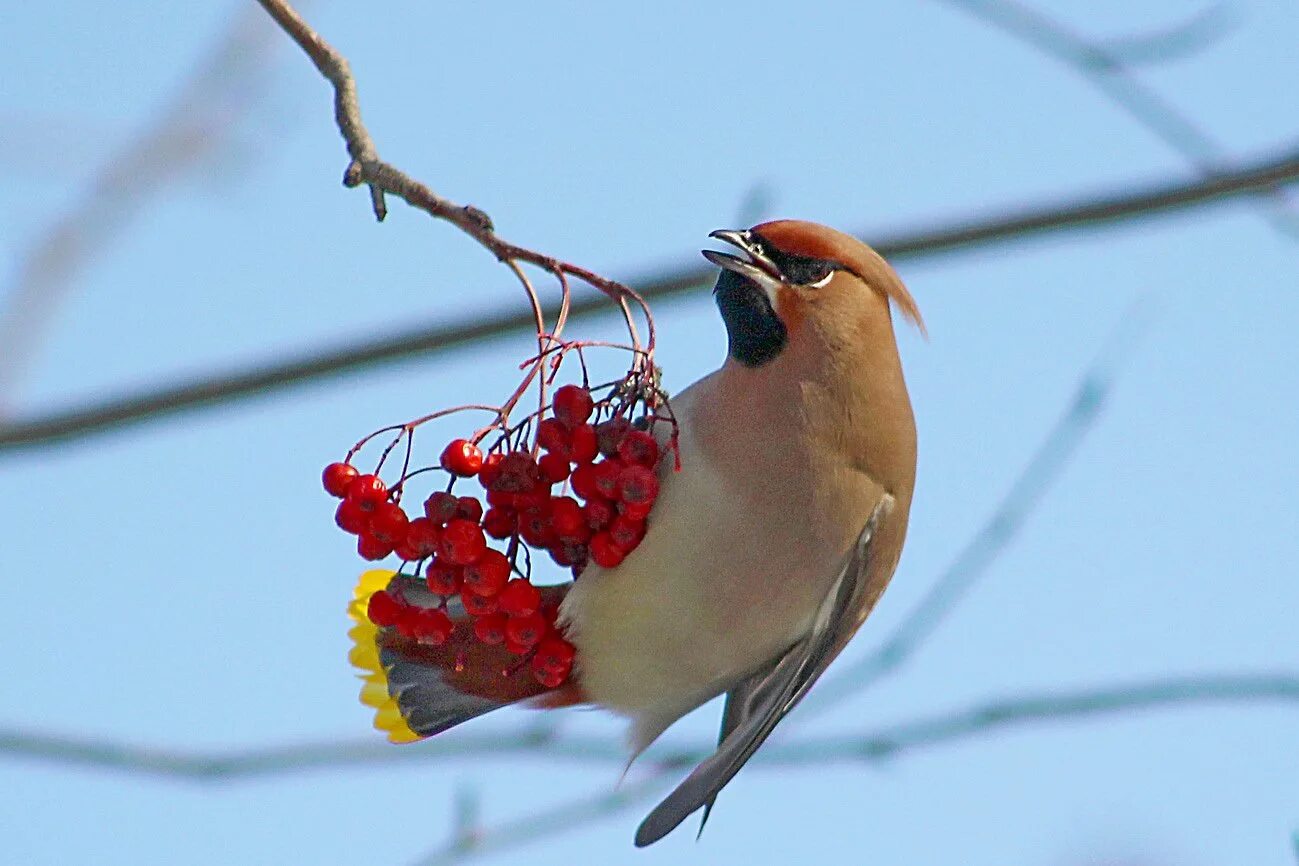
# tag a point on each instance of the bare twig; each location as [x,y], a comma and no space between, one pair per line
[982,718]
[1105,68]
[1041,472]
[382,178]
[427,341]
[196,123]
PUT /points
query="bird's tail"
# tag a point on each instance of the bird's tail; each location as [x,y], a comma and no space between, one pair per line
[417,689]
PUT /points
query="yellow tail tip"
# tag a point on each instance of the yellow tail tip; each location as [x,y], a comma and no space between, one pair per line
[364,656]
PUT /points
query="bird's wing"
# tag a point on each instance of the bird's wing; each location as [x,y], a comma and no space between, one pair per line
[755,708]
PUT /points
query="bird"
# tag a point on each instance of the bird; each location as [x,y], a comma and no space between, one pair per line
[772,539]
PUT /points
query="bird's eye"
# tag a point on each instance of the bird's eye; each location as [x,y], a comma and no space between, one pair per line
[804,270]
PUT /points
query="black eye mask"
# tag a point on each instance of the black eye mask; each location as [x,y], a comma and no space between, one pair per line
[799,270]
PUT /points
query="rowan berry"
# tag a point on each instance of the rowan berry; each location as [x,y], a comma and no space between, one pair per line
[566,518]
[535,528]
[605,552]
[526,629]
[553,435]
[462,457]
[491,469]
[372,548]
[583,444]
[367,491]
[607,473]
[639,448]
[488,574]
[469,508]
[383,609]
[477,605]
[499,522]
[573,405]
[518,472]
[462,542]
[583,482]
[337,477]
[555,655]
[441,507]
[422,537]
[490,629]
[443,579]
[598,514]
[519,598]
[637,485]
[609,434]
[627,532]
[554,467]
[388,523]
[549,679]
[431,626]
[351,517]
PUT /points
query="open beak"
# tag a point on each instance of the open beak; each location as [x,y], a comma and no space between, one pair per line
[754,267]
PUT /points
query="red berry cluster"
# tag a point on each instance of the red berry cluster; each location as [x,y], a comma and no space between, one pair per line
[609,466]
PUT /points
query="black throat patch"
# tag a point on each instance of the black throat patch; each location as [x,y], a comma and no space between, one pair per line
[756,334]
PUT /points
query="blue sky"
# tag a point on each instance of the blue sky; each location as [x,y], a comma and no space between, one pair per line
[182,584]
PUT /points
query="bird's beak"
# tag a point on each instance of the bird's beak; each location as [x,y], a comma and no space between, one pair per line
[755,267]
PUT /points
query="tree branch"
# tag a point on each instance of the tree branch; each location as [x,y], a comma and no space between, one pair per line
[1105,68]
[981,718]
[80,422]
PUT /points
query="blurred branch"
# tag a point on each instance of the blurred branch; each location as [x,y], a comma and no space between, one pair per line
[1106,69]
[548,823]
[197,122]
[981,718]
[225,386]
[1177,41]
[1041,472]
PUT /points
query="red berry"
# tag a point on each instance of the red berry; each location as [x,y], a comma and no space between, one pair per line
[477,605]
[637,485]
[518,473]
[607,474]
[627,532]
[441,507]
[443,579]
[432,626]
[372,548]
[519,598]
[489,574]
[610,433]
[469,508]
[549,679]
[569,553]
[462,542]
[462,457]
[573,405]
[490,629]
[604,551]
[534,527]
[639,448]
[367,491]
[527,629]
[337,477]
[553,435]
[519,649]
[498,523]
[351,517]
[491,469]
[554,654]
[388,523]
[422,537]
[554,467]
[583,482]
[583,445]
[636,510]
[566,518]
[383,610]
[598,514]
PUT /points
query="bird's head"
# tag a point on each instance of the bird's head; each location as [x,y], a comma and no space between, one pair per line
[798,280]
